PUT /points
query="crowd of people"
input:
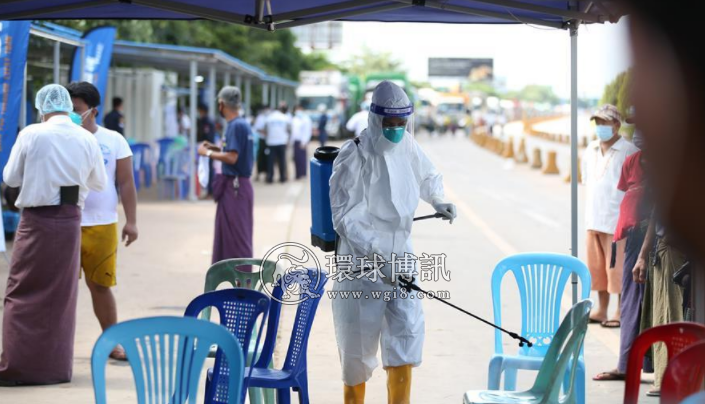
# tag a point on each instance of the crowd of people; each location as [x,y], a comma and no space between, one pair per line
[644,211]
[69,171]
[630,253]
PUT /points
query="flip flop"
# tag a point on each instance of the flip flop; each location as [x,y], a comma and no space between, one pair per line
[611,324]
[118,354]
[612,375]
[595,321]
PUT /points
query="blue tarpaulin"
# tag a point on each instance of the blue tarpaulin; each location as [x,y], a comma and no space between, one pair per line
[298,12]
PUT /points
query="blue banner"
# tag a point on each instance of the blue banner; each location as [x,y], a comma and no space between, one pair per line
[14,39]
[99,50]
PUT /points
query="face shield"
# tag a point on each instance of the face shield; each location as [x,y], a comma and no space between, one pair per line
[393,123]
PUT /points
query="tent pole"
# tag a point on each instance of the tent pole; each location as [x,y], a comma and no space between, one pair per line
[83,62]
[574,151]
[265,94]
[23,106]
[57,62]
[273,96]
[193,99]
[248,97]
[212,90]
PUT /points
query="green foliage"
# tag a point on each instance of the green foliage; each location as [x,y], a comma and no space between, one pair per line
[617,93]
[275,52]
[368,62]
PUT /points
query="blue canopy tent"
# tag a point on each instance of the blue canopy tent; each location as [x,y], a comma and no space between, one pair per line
[268,15]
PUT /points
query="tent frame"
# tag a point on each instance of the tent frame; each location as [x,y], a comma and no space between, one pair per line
[568,19]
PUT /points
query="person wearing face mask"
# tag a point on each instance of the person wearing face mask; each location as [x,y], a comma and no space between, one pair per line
[232,189]
[301,131]
[377,181]
[56,163]
[99,223]
[634,214]
[602,168]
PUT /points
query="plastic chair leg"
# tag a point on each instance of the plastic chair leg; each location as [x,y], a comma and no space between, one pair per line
[494,373]
[136,174]
[255,395]
[283,396]
[269,396]
[510,378]
[303,389]
[580,383]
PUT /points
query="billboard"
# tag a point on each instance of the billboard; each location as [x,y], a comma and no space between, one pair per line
[466,68]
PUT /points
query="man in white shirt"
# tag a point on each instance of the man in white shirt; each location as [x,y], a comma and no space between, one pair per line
[602,167]
[301,132]
[55,163]
[358,122]
[99,224]
[261,148]
[184,122]
[277,132]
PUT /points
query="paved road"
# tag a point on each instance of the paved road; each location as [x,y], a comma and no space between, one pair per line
[502,210]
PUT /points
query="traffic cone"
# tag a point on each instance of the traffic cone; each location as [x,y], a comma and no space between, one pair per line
[521,156]
[509,149]
[580,175]
[536,162]
[551,166]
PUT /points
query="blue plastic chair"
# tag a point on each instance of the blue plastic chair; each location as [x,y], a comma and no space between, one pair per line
[541,279]
[697,398]
[166,355]
[560,360]
[174,175]
[142,163]
[10,221]
[164,145]
[294,373]
[230,271]
[239,310]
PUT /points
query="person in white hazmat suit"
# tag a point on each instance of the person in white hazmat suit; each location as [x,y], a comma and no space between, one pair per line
[375,187]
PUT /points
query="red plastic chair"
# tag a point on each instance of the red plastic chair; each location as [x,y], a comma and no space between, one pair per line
[684,375]
[676,336]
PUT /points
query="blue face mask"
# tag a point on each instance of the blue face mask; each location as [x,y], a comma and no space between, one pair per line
[604,132]
[75,118]
[394,134]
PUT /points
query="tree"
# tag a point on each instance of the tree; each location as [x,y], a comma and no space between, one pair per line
[372,62]
[275,52]
[617,93]
[537,93]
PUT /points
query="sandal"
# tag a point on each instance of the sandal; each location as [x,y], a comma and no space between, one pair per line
[611,324]
[654,393]
[118,354]
[612,375]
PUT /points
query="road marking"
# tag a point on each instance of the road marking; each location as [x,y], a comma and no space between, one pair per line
[498,241]
[546,221]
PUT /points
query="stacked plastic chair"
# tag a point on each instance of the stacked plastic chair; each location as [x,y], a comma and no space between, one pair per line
[541,279]
[166,355]
[560,359]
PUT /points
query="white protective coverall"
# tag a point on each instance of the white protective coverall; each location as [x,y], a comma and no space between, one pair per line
[374,191]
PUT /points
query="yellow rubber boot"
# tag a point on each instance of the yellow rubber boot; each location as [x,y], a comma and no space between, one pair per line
[354,394]
[399,384]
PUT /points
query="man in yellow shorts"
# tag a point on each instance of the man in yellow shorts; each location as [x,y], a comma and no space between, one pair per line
[99,222]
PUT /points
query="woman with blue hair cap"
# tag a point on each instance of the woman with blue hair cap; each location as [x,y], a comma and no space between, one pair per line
[375,188]
[56,163]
